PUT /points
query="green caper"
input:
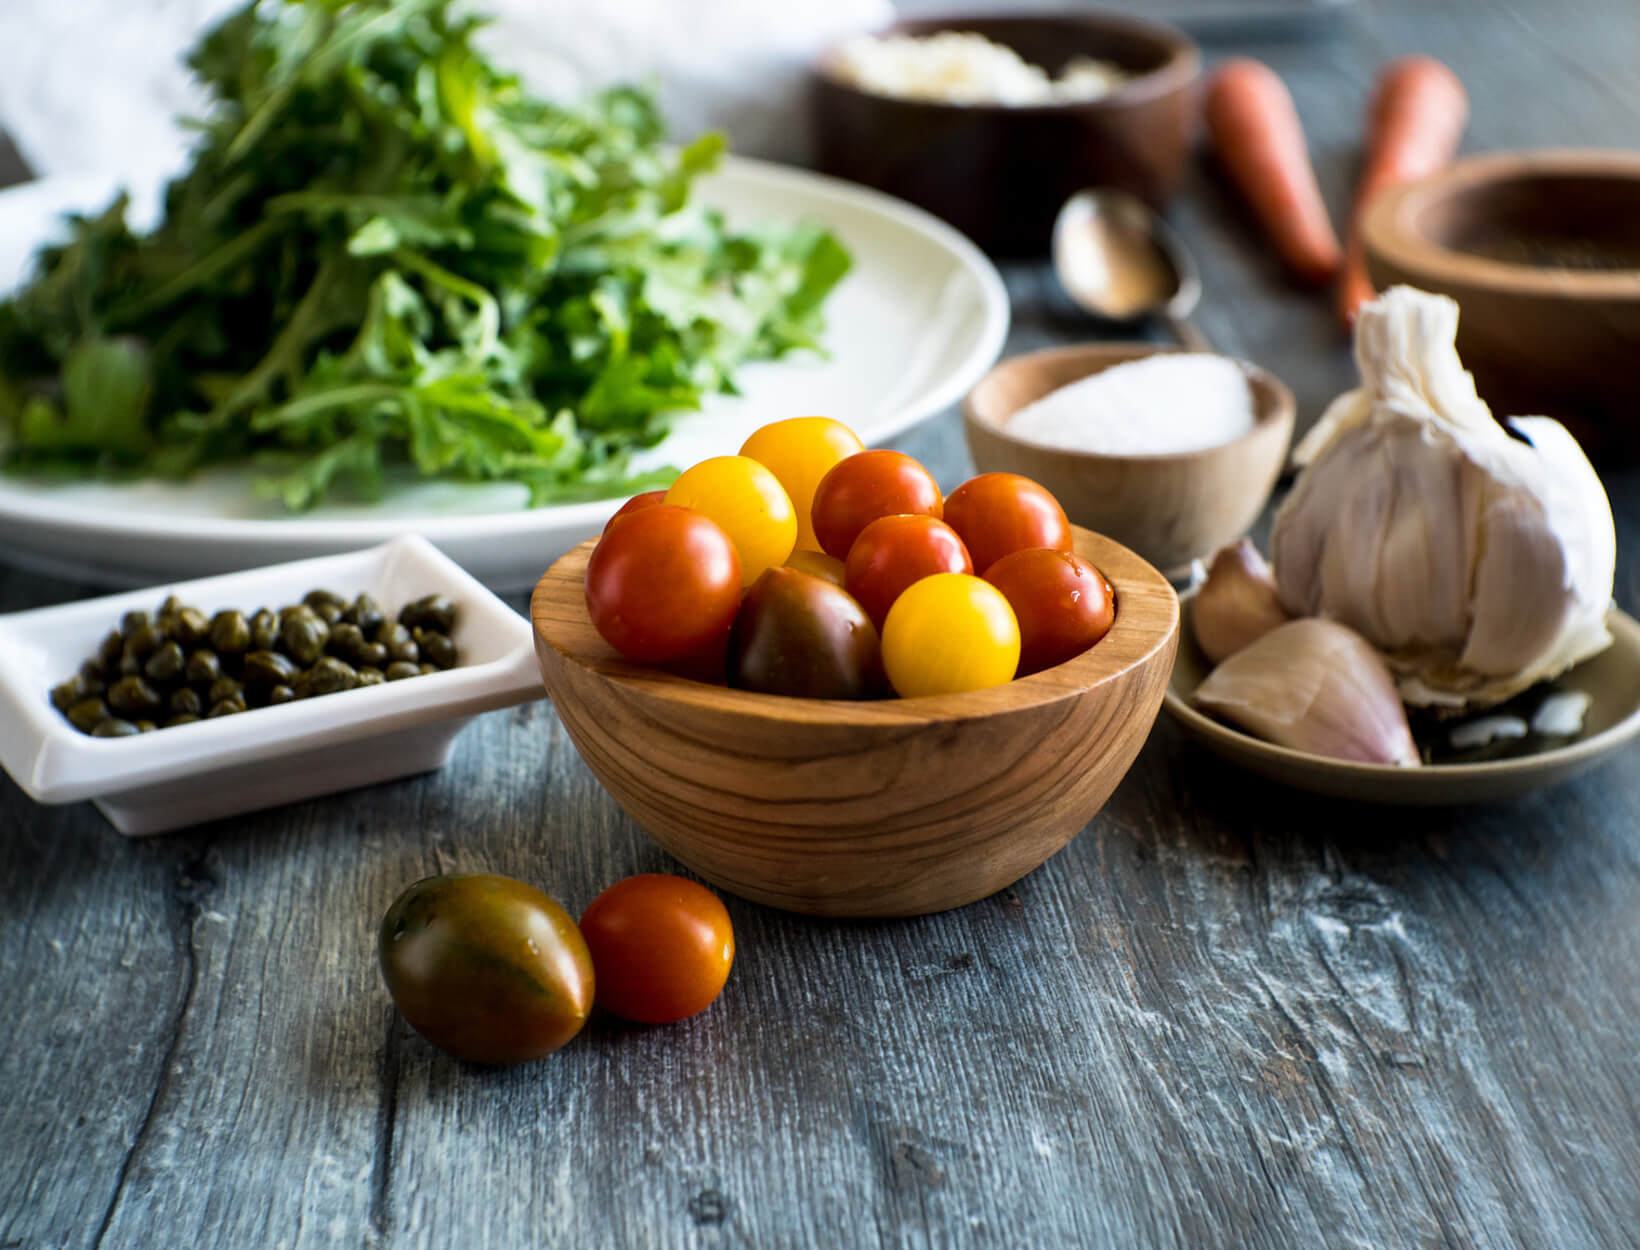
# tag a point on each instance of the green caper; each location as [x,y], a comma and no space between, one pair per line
[171,607]
[181,718]
[305,634]
[203,668]
[391,634]
[129,666]
[264,631]
[144,642]
[439,649]
[72,691]
[371,676]
[426,669]
[226,707]
[133,695]
[366,613]
[132,621]
[269,668]
[110,651]
[166,664]
[329,613]
[224,688]
[432,611]
[191,628]
[114,727]
[406,651]
[146,726]
[87,714]
[280,694]
[346,639]
[230,634]
[302,684]
[372,655]
[92,671]
[186,702]
[330,675]
[317,599]
[398,670]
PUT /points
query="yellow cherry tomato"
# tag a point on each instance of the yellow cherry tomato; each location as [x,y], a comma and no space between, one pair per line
[800,452]
[748,503]
[949,633]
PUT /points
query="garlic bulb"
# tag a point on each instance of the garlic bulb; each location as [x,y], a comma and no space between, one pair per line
[1477,562]
[1237,603]
[1314,686]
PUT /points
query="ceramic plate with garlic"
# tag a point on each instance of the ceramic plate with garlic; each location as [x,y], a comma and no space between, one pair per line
[1436,609]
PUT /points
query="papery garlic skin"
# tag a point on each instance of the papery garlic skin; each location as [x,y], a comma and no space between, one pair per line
[1237,604]
[1317,687]
[1477,563]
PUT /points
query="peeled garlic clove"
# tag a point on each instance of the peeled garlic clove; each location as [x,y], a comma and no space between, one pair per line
[1317,687]
[1237,604]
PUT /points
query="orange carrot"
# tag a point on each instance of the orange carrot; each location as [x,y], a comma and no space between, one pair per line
[1416,118]
[1255,130]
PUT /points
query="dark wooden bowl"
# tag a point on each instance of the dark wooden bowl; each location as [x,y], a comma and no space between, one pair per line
[1000,173]
[888,808]
[1515,238]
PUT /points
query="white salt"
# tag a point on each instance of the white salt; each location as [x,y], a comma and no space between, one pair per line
[1171,402]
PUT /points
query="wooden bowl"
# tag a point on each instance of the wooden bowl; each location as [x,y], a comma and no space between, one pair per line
[1513,237]
[1170,509]
[890,808]
[1000,173]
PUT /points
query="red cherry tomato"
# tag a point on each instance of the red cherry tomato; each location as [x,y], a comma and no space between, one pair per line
[661,948]
[1001,512]
[663,584]
[636,504]
[894,551]
[864,487]
[1063,603]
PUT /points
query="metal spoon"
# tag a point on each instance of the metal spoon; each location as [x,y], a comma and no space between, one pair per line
[1120,261]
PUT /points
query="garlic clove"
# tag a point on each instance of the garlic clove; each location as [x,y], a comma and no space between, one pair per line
[1315,686]
[1237,604]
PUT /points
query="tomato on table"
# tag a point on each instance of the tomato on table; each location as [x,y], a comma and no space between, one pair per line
[1063,604]
[661,946]
[649,499]
[864,487]
[801,636]
[663,584]
[748,502]
[998,513]
[799,452]
[895,551]
[950,633]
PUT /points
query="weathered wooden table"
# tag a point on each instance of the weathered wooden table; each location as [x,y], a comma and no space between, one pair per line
[1226,1014]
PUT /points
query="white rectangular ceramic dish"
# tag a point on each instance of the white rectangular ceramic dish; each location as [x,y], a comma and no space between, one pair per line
[191,773]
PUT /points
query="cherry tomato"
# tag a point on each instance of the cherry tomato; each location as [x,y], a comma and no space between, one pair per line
[798,635]
[894,551]
[949,633]
[817,564]
[1064,605]
[486,968]
[663,584]
[661,947]
[864,487]
[636,504]
[748,502]
[1001,512]
[800,452]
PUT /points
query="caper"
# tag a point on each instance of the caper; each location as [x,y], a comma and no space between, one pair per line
[72,691]
[146,726]
[398,670]
[186,702]
[264,631]
[305,634]
[317,599]
[132,621]
[269,668]
[330,675]
[166,663]
[366,613]
[372,655]
[224,688]
[181,718]
[114,727]
[346,639]
[226,707]
[329,613]
[433,611]
[87,714]
[129,666]
[302,684]
[203,668]
[191,628]
[280,694]
[92,671]
[110,651]
[406,651]
[230,634]
[439,649]
[133,695]
[391,634]
[171,607]
[144,642]
[371,676]
[427,670]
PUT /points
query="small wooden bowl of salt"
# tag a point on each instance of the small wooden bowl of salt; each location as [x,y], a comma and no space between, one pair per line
[1169,452]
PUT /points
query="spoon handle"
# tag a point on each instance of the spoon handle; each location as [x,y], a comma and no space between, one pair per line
[1189,337]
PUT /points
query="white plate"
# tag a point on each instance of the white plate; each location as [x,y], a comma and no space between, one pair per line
[214,768]
[920,317]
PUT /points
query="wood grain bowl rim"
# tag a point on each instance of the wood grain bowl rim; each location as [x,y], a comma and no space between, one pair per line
[1147,622]
[1179,71]
[1404,785]
[1274,403]
[1391,235]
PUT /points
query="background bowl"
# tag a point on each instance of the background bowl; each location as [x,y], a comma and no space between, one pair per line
[1542,252]
[889,808]
[1000,173]
[1168,508]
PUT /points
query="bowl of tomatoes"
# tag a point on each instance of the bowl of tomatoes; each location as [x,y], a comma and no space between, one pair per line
[826,686]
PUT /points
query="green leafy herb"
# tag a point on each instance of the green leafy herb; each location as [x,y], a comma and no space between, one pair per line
[386,251]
